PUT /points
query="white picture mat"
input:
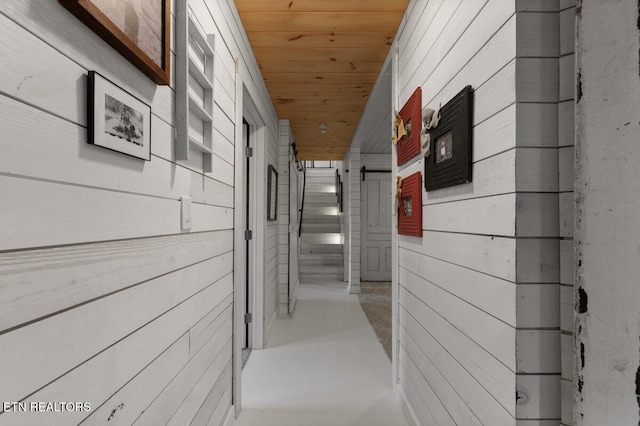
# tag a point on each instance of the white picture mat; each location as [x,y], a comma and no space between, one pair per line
[103,87]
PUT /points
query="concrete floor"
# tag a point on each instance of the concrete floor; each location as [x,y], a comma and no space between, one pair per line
[323,367]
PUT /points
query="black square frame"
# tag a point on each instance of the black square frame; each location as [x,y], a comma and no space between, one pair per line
[453,136]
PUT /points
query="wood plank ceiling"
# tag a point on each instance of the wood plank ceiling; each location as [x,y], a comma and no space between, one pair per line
[320,60]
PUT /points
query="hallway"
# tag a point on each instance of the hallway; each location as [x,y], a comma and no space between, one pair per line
[323,367]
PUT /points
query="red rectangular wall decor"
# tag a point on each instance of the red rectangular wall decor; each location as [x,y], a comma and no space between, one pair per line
[409,144]
[410,206]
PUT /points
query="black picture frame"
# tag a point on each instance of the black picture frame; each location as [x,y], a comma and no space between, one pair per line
[338,184]
[450,162]
[272,193]
[116,119]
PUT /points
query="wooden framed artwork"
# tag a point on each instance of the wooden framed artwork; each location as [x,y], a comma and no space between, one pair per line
[138,29]
[116,119]
[411,114]
[410,206]
[450,162]
[272,193]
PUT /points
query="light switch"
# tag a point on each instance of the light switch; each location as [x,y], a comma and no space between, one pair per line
[185,213]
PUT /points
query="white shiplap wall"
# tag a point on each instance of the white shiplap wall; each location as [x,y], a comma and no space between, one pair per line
[289,194]
[284,146]
[104,299]
[479,305]
[271,259]
[352,179]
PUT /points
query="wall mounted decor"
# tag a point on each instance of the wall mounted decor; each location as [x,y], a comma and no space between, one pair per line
[272,193]
[449,162]
[409,144]
[116,119]
[339,191]
[194,87]
[410,206]
[137,29]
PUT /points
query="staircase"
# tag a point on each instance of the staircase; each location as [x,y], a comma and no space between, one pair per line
[321,256]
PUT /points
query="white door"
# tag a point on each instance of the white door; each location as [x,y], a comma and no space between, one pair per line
[376,227]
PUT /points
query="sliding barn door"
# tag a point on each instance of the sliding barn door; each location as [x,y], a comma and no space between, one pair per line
[376,227]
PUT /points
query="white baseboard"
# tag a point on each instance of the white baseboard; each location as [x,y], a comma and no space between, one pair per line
[231,416]
[407,409]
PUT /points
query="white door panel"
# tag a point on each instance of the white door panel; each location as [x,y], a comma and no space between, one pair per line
[376,229]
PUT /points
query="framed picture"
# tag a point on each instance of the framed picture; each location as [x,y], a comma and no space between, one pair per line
[410,206]
[339,191]
[450,161]
[137,29]
[411,114]
[116,119]
[272,193]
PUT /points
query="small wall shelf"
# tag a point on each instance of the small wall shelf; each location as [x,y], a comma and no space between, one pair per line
[194,87]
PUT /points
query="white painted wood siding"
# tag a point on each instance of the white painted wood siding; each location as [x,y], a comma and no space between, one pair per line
[288,195]
[566,138]
[353,199]
[479,307]
[104,299]
[284,212]
[607,201]
[271,247]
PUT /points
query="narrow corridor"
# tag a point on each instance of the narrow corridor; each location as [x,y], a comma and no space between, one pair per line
[323,367]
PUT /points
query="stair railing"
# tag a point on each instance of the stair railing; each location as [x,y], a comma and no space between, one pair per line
[304,186]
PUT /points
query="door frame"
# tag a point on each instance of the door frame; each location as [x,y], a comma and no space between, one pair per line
[394,58]
[245,108]
[295,195]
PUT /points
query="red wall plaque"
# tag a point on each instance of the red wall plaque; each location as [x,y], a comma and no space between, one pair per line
[409,145]
[410,208]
